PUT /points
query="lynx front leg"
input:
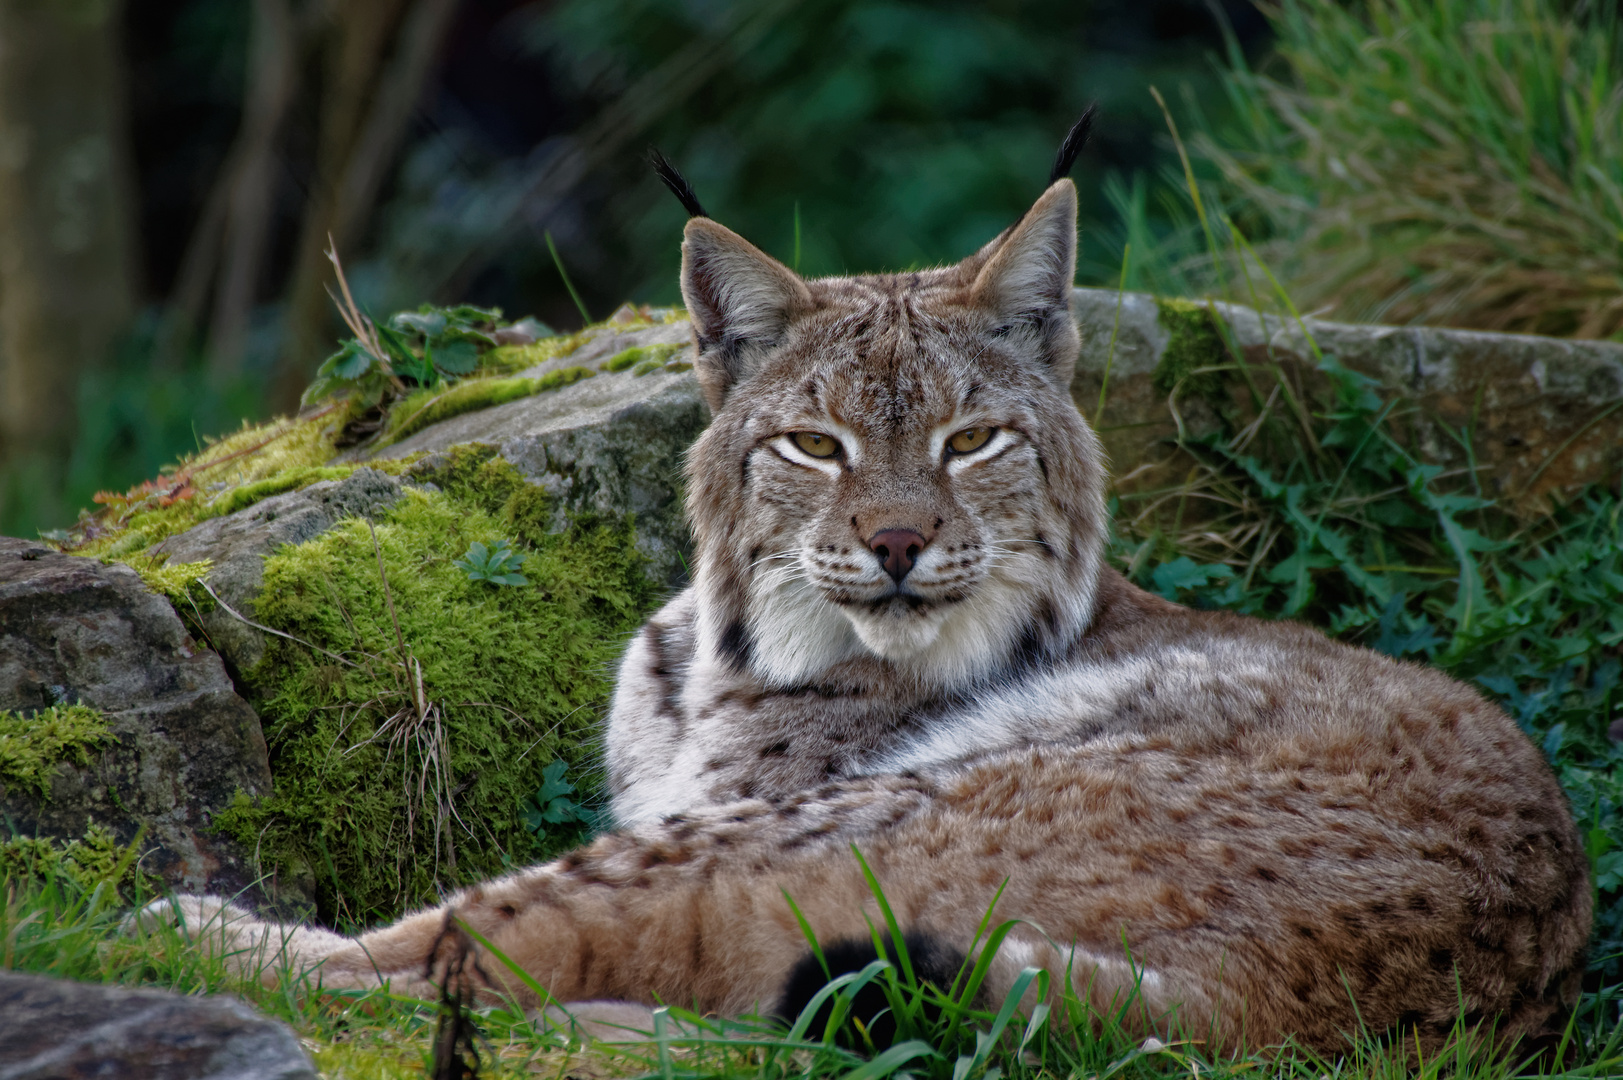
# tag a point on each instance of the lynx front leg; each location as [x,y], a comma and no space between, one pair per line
[687,912]
[636,920]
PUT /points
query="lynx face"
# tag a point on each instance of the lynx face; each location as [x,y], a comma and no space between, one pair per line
[895,469]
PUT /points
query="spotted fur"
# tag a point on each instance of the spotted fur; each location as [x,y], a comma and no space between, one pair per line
[1257,831]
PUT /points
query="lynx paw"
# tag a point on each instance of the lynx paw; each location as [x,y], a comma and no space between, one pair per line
[249,947]
[195,916]
[605,1021]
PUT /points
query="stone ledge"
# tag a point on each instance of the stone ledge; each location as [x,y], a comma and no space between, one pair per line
[1544,412]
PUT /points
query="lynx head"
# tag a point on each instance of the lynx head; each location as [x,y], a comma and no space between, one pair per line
[895,470]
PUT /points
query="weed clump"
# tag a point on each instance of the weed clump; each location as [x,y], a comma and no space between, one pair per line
[418,710]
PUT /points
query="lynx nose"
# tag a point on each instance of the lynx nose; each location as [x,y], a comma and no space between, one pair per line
[897,548]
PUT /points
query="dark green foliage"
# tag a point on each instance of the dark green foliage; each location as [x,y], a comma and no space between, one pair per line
[412,349]
[896,134]
[404,752]
[551,804]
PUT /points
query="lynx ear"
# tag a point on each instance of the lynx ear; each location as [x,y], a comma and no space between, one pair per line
[740,300]
[1025,283]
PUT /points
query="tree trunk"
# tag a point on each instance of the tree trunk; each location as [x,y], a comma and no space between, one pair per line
[382,54]
[66,244]
[250,173]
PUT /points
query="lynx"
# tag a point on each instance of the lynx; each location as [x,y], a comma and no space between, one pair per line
[902,637]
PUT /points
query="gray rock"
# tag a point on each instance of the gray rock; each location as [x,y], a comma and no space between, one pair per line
[52,1029]
[238,544]
[73,630]
[609,444]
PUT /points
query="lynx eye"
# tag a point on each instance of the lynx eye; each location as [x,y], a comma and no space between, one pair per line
[969,440]
[816,443]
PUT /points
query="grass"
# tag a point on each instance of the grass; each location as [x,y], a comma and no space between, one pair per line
[1447,162]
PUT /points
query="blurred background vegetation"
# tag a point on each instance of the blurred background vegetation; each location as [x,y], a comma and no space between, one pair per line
[171,171]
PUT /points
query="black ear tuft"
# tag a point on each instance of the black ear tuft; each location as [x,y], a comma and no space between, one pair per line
[1075,140]
[676,182]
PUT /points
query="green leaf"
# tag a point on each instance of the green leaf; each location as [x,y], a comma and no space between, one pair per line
[891,1060]
[1184,573]
[349,362]
[430,324]
[553,784]
[455,358]
[559,811]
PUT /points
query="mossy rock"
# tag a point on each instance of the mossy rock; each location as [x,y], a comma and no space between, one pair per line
[411,712]
[606,438]
[115,725]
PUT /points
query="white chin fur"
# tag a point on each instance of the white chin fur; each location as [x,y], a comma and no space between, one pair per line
[901,635]
[796,633]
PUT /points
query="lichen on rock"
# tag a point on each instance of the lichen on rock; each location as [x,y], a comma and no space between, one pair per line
[118,719]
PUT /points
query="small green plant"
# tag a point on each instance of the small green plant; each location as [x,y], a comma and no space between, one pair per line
[551,804]
[499,565]
[424,348]
[411,349]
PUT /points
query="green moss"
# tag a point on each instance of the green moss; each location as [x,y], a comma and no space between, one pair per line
[177,581]
[31,746]
[146,528]
[512,679]
[95,859]
[510,359]
[240,498]
[1193,344]
[427,407]
[556,380]
[639,355]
